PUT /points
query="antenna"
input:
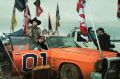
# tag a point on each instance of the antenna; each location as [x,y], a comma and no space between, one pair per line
[114,38]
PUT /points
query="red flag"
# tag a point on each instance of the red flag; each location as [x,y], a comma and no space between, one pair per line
[79,4]
[39,10]
[27,18]
[118,11]
[80,10]
[83,29]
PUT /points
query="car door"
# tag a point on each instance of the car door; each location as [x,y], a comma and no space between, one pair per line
[26,54]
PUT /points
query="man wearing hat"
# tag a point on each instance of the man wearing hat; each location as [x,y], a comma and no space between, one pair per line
[34,32]
[104,39]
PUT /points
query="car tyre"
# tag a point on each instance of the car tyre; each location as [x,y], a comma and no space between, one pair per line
[70,71]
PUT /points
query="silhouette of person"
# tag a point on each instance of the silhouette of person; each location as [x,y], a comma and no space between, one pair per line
[104,39]
[41,42]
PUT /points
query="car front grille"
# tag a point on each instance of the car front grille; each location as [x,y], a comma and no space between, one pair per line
[111,68]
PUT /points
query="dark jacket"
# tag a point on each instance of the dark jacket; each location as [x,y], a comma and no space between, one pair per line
[104,41]
[42,45]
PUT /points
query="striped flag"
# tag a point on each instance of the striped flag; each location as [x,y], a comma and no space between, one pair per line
[13,21]
[118,11]
[39,10]
[26,19]
[80,10]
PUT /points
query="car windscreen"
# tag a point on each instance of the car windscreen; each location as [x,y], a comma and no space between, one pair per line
[22,43]
[60,42]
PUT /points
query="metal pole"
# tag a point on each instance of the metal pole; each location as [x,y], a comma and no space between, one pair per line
[95,31]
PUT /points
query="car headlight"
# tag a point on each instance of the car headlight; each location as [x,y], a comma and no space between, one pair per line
[98,65]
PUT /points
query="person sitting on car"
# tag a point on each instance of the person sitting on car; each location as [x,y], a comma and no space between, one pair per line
[103,38]
[34,31]
[41,42]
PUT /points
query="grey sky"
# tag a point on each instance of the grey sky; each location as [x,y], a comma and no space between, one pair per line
[103,14]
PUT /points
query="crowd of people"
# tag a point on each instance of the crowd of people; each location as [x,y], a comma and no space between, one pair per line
[35,33]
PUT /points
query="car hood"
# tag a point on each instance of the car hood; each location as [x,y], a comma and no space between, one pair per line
[86,51]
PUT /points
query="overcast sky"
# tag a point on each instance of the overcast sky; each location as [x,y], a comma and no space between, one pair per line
[103,15]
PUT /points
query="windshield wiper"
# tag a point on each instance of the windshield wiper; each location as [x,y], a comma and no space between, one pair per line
[64,46]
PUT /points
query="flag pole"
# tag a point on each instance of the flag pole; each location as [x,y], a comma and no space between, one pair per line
[101,56]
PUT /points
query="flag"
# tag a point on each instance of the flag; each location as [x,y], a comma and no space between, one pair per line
[39,10]
[57,24]
[118,11]
[80,10]
[83,29]
[13,21]
[79,6]
[49,23]
[27,11]
[50,31]
[20,4]
[57,13]
[57,17]
[27,16]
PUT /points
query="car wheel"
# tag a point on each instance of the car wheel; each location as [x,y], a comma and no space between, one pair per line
[70,71]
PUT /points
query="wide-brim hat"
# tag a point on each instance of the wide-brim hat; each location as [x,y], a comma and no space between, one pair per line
[35,19]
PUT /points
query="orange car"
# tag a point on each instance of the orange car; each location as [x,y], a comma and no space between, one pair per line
[65,57]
